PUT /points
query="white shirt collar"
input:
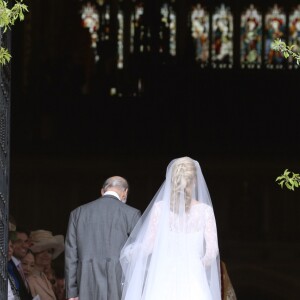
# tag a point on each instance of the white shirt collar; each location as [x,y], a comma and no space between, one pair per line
[15,260]
[112,194]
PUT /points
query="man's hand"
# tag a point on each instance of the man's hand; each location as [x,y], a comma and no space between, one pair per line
[74,298]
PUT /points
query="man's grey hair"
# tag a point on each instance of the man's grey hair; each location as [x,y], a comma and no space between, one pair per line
[115,181]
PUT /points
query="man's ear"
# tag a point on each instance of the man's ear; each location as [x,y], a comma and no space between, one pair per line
[126,193]
[102,192]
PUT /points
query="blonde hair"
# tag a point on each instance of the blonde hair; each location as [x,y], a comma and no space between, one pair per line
[182,177]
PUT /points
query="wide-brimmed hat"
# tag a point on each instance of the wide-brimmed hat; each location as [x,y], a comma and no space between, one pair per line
[42,240]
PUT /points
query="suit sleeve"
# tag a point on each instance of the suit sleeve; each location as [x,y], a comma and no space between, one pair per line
[136,216]
[71,259]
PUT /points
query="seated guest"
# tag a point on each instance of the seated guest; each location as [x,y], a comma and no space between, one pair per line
[51,276]
[28,263]
[21,244]
[12,292]
[45,248]
[20,248]
[60,290]
[58,271]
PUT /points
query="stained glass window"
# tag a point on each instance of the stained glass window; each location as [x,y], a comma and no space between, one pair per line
[251,38]
[222,38]
[104,30]
[294,34]
[199,24]
[167,32]
[90,20]
[139,32]
[275,24]
[210,30]
[120,41]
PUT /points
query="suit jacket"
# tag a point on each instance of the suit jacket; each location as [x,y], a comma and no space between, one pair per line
[24,293]
[96,233]
[40,285]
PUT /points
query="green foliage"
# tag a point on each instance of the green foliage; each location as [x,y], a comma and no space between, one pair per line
[289,179]
[293,181]
[287,51]
[4,56]
[7,19]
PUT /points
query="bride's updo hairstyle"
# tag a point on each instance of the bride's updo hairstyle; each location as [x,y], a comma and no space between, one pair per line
[182,178]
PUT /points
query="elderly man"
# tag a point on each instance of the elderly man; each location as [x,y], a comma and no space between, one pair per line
[96,234]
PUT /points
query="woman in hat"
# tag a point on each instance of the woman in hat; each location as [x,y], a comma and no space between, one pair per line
[45,248]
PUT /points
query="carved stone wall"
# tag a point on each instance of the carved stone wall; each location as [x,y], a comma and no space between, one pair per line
[5,78]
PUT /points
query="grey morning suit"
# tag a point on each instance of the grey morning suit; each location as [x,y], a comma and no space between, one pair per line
[96,234]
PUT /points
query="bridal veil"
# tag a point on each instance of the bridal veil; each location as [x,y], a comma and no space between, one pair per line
[173,251]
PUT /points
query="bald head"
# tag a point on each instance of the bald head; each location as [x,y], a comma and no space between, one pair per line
[116,184]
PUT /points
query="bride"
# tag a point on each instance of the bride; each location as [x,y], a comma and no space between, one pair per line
[172,254]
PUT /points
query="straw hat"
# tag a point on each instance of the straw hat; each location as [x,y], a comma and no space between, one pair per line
[42,240]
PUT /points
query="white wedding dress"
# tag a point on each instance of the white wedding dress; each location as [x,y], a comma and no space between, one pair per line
[179,272]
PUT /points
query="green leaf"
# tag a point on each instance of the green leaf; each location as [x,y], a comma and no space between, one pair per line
[281,184]
[288,186]
[4,56]
[296,184]
[21,16]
